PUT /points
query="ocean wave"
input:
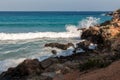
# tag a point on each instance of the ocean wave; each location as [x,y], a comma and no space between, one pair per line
[71,32]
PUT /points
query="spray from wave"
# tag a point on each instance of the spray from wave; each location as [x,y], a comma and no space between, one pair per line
[89,21]
[71,32]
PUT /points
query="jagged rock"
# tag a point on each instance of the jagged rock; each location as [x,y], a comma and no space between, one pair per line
[23,70]
[105,23]
[116,45]
[92,34]
[58,68]
[48,62]
[83,45]
[60,46]
[109,14]
[101,36]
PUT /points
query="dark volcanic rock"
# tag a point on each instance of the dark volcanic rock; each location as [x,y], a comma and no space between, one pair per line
[48,62]
[54,52]
[23,70]
[59,46]
[105,23]
[116,45]
[83,45]
[101,36]
[93,34]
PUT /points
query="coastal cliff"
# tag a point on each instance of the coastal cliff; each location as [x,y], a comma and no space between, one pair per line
[80,65]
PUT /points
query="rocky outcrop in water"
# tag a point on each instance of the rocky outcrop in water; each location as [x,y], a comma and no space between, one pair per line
[23,70]
[59,46]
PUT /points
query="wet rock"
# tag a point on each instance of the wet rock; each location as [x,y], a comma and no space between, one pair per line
[59,46]
[54,52]
[109,14]
[23,70]
[83,45]
[92,34]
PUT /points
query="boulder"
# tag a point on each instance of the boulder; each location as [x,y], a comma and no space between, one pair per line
[26,68]
[54,52]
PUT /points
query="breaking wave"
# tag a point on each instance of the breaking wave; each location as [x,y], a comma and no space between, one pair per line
[71,32]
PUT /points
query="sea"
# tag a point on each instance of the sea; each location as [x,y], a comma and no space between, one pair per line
[24,34]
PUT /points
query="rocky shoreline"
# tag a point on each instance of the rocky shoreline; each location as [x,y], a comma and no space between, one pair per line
[78,65]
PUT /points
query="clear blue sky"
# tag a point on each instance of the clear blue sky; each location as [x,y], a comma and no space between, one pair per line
[59,5]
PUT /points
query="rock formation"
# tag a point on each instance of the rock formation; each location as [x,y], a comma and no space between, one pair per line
[102,34]
[26,68]
[59,46]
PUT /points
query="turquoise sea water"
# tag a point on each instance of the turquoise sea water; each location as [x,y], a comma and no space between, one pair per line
[15,22]
[24,34]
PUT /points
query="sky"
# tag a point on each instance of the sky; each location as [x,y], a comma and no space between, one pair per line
[59,5]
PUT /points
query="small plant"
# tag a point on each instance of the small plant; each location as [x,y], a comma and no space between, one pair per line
[94,63]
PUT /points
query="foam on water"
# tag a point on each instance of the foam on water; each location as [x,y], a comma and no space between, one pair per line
[30,35]
[5,64]
[38,51]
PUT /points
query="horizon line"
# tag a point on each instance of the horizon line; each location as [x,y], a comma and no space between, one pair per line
[52,11]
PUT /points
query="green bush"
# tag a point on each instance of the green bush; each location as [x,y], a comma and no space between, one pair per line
[93,63]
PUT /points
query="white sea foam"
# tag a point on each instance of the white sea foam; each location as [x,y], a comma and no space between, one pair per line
[71,32]
[30,35]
